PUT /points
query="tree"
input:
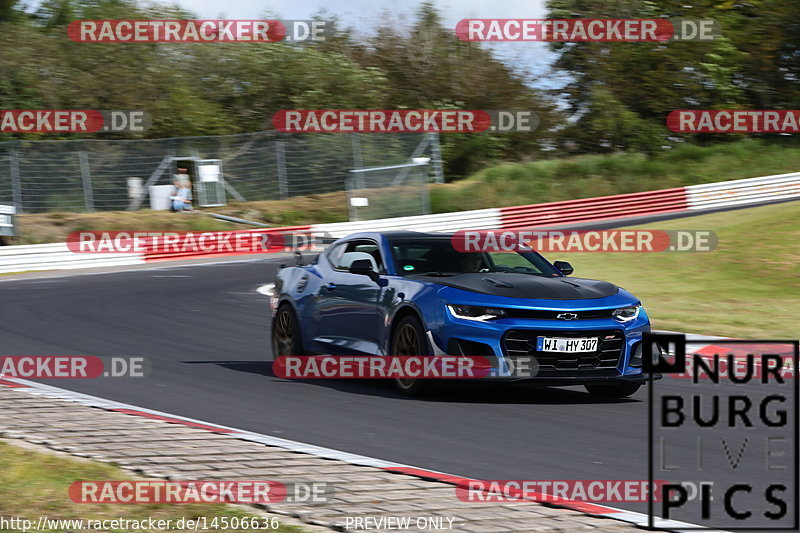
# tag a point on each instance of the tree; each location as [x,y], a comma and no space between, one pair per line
[8,11]
[754,65]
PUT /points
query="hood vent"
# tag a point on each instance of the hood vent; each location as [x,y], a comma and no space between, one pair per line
[496,283]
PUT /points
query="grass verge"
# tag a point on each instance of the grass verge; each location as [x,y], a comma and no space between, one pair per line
[34,484]
[746,288]
[39,228]
[587,176]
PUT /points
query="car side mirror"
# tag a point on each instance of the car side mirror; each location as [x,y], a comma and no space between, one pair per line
[363,267]
[564,267]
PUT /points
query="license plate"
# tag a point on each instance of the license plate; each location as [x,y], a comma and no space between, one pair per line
[571,345]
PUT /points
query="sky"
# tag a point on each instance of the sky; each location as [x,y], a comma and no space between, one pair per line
[361,11]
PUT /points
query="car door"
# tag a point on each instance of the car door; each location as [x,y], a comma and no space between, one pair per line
[350,318]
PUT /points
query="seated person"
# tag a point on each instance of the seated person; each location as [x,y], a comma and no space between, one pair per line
[473,262]
[182,199]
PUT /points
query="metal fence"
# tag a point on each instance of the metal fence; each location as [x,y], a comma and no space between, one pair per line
[89,175]
[389,191]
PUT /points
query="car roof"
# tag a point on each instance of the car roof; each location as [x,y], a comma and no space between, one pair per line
[397,234]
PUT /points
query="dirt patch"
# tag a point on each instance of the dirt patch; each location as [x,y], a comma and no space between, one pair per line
[55,226]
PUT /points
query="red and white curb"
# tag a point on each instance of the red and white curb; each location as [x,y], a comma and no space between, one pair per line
[695,198]
[32,387]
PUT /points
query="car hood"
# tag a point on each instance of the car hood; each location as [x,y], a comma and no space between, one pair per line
[514,285]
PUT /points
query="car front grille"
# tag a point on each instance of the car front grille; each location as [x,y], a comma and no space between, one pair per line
[603,362]
[541,314]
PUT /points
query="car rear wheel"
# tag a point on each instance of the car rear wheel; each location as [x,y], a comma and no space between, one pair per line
[612,390]
[286,338]
[409,339]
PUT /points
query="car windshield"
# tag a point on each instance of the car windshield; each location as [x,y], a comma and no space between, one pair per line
[438,257]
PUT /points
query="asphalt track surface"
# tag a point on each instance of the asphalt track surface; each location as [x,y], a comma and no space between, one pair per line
[206,331]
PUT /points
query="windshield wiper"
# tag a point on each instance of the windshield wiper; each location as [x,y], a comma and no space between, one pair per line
[438,274]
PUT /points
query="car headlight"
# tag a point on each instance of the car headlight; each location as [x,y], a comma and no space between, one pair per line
[626,314]
[474,312]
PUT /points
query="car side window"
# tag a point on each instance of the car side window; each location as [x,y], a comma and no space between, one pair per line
[366,247]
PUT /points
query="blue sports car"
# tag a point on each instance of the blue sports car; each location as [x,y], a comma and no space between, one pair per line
[408,293]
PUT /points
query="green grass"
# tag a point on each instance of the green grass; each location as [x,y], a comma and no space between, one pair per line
[748,287]
[601,175]
[34,484]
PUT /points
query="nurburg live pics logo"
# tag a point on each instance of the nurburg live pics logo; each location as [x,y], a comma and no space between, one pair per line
[728,441]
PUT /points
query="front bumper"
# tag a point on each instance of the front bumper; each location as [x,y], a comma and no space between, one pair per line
[510,342]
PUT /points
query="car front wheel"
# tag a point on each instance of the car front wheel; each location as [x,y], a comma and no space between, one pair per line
[286,338]
[409,339]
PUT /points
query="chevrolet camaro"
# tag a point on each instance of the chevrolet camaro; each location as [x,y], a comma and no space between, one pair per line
[408,293]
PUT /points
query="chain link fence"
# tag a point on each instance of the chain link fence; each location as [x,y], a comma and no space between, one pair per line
[389,191]
[92,175]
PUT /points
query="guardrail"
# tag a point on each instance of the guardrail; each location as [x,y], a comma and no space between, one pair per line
[594,209]
[741,192]
[57,256]
[695,197]
[442,222]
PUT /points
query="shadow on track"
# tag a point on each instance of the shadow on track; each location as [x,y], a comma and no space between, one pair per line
[446,391]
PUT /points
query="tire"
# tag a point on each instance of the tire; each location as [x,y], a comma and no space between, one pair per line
[286,338]
[408,338]
[611,391]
